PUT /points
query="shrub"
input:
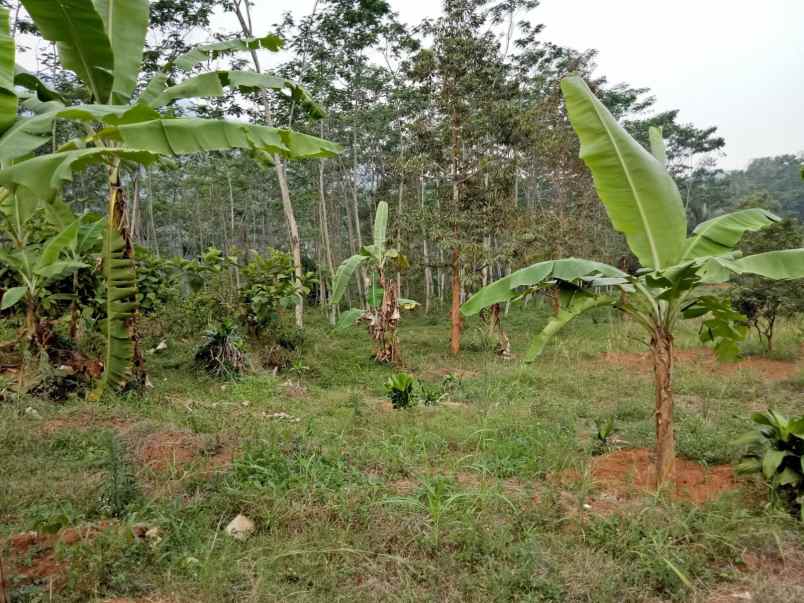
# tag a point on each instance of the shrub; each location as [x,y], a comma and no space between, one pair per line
[776,449]
[223,353]
[400,389]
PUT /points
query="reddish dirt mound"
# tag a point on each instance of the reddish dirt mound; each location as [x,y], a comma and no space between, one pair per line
[624,471]
[175,449]
[30,557]
[772,370]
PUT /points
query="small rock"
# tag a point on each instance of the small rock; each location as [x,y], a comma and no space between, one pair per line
[32,412]
[746,596]
[241,528]
[154,534]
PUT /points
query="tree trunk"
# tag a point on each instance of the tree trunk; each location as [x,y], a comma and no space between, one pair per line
[279,166]
[325,239]
[428,271]
[661,346]
[455,312]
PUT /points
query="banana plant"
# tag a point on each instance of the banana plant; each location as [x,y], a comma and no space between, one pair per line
[644,204]
[102,42]
[383,312]
[36,264]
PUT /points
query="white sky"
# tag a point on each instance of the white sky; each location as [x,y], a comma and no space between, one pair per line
[735,64]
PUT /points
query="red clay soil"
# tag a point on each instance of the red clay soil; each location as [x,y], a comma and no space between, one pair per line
[175,449]
[704,358]
[625,471]
[30,557]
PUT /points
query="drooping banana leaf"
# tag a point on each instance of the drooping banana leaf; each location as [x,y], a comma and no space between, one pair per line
[721,235]
[348,318]
[213,84]
[343,275]
[641,198]
[12,296]
[30,133]
[776,265]
[80,37]
[507,288]
[32,82]
[191,135]
[126,25]
[8,97]
[120,303]
[45,176]
[212,51]
[573,304]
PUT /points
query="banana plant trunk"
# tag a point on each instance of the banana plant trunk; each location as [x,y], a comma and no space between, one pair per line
[662,353]
[383,325]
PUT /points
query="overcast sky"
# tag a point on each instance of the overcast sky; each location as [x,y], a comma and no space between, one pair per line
[735,64]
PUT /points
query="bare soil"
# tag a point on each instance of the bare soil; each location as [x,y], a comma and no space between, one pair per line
[704,359]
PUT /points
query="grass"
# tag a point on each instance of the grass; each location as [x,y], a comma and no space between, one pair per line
[356,502]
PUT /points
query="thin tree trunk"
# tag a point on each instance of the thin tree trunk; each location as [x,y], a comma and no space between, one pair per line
[662,352]
[279,166]
[325,239]
[428,271]
[455,313]
[151,215]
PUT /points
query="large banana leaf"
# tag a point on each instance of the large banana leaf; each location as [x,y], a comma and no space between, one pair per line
[721,235]
[212,51]
[80,36]
[67,238]
[30,133]
[343,275]
[126,24]
[45,176]
[212,84]
[641,198]
[192,135]
[776,265]
[573,304]
[8,97]
[507,288]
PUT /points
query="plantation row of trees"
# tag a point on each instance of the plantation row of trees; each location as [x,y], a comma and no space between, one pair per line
[456,123]
[441,159]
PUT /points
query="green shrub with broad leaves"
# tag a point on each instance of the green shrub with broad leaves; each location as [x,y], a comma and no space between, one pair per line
[776,450]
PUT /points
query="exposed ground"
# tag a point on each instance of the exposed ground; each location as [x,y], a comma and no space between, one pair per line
[498,493]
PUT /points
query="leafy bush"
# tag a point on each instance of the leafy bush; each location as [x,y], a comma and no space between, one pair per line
[223,353]
[400,389]
[776,449]
[157,282]
[270,287]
